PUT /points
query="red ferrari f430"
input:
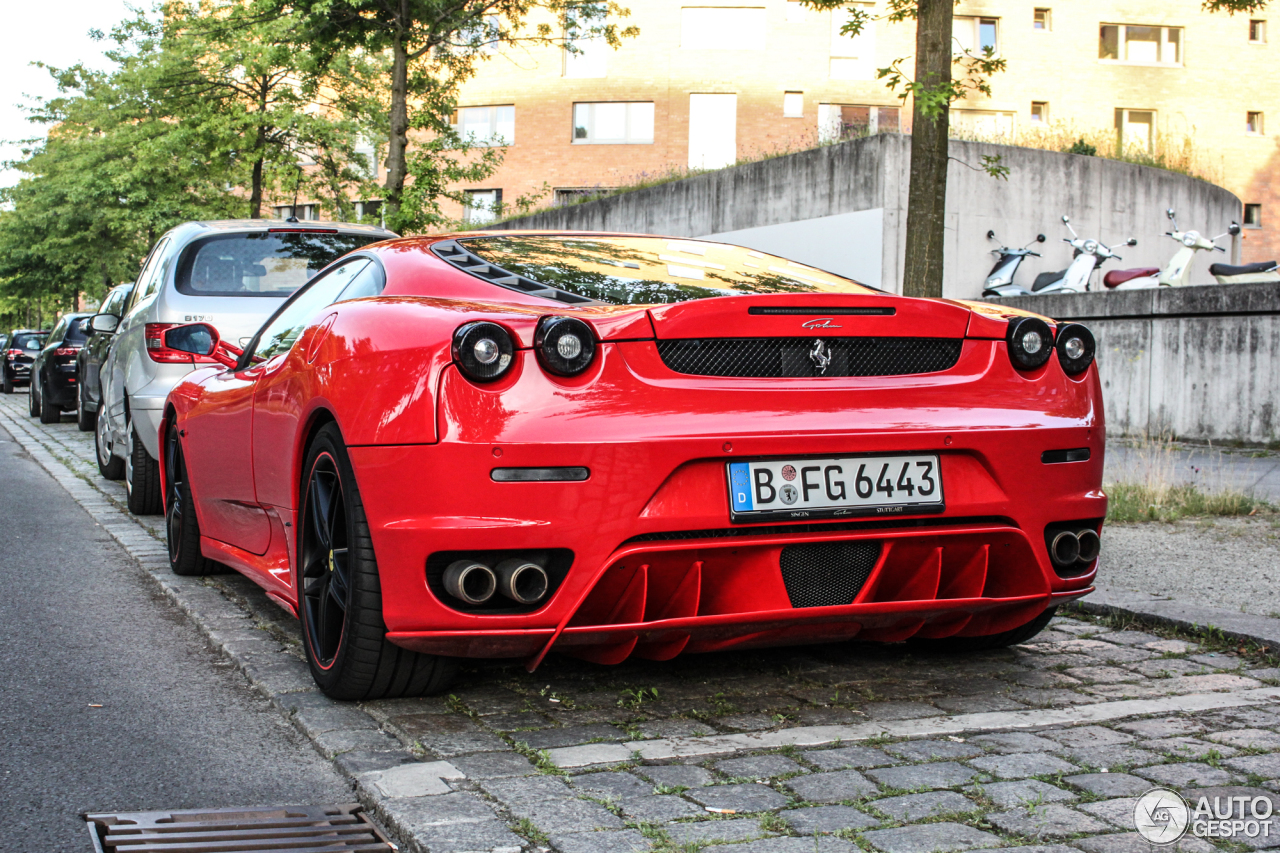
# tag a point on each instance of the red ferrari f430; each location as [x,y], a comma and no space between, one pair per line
[498,445]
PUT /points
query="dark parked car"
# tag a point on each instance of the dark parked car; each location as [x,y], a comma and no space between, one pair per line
[23,346]
[53,374]
[92,356]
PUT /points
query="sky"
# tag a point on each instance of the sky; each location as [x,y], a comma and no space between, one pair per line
[57,34]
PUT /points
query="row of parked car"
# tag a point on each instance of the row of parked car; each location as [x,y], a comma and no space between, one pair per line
[112,368]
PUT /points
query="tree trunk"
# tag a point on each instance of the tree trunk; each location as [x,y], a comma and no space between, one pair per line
[397,165]
[260,152]
[255,194]
[927,195]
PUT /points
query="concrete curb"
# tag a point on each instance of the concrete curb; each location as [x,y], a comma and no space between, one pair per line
[395,785]
[1231,624]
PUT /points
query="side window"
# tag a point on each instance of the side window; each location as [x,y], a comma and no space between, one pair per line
[148,269]
[369,282]
[58,331]
[115,302]
[283,329]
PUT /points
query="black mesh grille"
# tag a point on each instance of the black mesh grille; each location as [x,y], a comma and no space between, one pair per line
[772,357]
[826,573]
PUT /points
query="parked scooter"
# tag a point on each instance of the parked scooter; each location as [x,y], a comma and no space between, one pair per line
[1000,280]
[1088,256]
[1263,271]
[1178,271]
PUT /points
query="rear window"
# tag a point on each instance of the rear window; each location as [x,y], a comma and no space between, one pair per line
[653,270]
[29,342]
[261,263]
[77,331]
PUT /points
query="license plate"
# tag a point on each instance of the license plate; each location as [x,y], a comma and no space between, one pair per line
[834,487]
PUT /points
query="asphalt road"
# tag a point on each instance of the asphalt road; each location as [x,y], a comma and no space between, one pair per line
[81,627]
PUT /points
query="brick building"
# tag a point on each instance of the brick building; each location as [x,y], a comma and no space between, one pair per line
[705,85]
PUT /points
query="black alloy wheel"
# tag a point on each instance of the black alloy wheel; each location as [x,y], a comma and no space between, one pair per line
[110,466]
[182,529]
[340,592]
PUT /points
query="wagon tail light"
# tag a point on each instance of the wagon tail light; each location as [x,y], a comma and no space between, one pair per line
[66,351]
[162,354]
[13,353]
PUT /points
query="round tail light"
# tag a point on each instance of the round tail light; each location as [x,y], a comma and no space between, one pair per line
[483,351]
[565,345]
[1075,348]
[1030,342]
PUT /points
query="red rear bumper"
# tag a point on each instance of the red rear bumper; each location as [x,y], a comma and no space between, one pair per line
[657,567]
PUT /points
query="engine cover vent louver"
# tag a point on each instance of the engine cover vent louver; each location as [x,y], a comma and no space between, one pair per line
[455,254]
[787,357]
[827,573]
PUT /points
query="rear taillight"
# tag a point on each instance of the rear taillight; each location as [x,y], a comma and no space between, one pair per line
[13,353]
[154,336]
[66,350]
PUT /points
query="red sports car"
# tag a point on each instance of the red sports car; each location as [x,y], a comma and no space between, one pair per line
[503,444]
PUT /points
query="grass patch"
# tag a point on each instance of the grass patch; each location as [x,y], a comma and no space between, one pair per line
[1142,502]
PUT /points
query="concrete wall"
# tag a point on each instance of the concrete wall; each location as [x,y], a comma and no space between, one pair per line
[760,204]
[1198,362]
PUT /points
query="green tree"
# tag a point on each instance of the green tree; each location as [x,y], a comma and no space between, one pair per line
[933,86]
[426,49]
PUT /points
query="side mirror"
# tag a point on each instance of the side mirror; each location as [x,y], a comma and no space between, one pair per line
[196,339]
[991,235]
[1040,238]
[1132,241]
[1169,213]
[104,323]
[1233,229]
[1065,219]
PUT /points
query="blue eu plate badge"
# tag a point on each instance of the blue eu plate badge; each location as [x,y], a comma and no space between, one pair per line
[740,486]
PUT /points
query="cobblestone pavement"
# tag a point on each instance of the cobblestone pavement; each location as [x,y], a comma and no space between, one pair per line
[814,748]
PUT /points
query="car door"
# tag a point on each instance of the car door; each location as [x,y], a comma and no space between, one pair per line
[95,349]
[219,432]
[129,347]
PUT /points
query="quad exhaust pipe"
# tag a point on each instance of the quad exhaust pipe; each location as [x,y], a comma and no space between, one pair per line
[1071,550]
[474,583]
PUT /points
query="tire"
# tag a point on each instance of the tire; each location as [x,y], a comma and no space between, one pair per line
[7,384]
[50,413]
[141,478]
[1012,637]
[33,405]
[110,466]
[340,594]
[182,528]
[85,419]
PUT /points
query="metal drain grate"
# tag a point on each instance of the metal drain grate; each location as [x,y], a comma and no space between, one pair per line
[285,829]
[826,573]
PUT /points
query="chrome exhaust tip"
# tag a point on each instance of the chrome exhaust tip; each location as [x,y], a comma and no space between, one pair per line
[469,581]
[522,581]
[1064,549]
[1090,545]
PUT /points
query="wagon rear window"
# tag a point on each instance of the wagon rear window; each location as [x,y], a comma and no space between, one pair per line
[652,270]
[261,263]
[29,342]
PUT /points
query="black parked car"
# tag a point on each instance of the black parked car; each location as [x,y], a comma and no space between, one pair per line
[23,346]
[53,374]
[93,355]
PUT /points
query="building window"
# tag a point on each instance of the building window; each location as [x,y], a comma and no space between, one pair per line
[1042,20]
[586,50]
[852,56]
[482,206]
[793,105]
[1253,123]
[838,122]
[1140,45]
[1253,216]
[562,196]
[713,130]
[984,125]
[975,35]
[368,163]
[1136,129]
[485,126]
[1258,32]
[369,211]
[796,12]
[613,123]
[722,27]
[1040,113]
[283,211]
